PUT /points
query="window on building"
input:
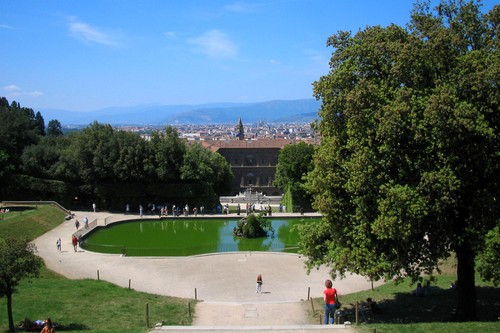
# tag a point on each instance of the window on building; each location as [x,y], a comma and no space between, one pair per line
[249,160]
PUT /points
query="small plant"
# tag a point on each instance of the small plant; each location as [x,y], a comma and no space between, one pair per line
[253,226]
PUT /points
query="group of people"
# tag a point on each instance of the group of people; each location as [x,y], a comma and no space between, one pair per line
[163,211]
[422,291]
[85,223]
[74,241]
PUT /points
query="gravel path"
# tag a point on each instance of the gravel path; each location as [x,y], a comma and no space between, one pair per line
[224,282]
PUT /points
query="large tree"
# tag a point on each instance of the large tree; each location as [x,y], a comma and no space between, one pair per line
[168,150]
[408,170]
[54,128]
[19,128]
[294,162]
[17,262]
[204,166]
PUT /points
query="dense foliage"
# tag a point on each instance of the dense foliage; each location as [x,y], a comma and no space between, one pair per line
[253,226]
[102,165]
[18,260]
[19,127]
[408,170]
[294,162]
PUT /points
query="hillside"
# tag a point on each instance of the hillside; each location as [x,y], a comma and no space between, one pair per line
[302,110]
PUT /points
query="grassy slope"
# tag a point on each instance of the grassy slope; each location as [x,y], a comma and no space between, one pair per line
[30,222]
[402,312]
[81,305]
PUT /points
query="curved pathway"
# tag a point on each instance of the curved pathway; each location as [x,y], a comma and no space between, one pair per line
[225,282]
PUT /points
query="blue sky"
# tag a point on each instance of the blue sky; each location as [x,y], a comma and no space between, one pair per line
[91,54]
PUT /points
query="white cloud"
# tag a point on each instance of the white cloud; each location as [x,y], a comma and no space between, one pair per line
[169,34]
[215,44]
[36,93]
[274,62]
[14,91]
[12,87]
[5,26]
[87,33]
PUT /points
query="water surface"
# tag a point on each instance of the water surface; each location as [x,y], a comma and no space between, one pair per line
[185,237]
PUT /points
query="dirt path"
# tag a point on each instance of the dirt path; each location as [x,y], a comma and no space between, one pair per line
[250,314]
[225,283]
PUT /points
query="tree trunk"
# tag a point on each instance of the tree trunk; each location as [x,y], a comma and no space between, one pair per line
[467,298]
[9,312]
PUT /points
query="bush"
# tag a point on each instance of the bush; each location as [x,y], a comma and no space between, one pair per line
[253,226]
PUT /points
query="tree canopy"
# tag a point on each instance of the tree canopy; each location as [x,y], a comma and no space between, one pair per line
[408,167]
[92,164]
[18,261]
[19,128]
[200,164]
[294,162]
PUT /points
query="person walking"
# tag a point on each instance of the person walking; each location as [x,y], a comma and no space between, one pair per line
[331,299]
[58,244]
[258,288]
[74,241]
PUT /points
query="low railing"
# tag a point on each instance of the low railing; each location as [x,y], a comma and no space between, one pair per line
[34,203]
[176,252]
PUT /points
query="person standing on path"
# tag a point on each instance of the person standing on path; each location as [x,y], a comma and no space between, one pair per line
[330,297]
[259,284]
[58,244]
[74,241]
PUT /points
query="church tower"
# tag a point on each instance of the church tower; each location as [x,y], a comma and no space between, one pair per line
[239,128]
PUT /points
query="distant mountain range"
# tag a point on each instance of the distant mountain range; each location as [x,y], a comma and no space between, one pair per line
[301,110]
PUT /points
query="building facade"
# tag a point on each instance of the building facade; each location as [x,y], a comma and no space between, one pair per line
[253,163]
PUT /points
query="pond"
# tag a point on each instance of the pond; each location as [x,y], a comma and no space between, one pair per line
[186,237]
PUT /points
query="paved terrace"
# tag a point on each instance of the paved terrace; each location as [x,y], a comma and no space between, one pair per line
[224,282]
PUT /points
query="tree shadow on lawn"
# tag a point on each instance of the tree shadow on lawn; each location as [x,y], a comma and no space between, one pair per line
[73,327]
[19,208]
[438,306]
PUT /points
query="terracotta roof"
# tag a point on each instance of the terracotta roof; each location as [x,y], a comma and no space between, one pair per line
[215,145]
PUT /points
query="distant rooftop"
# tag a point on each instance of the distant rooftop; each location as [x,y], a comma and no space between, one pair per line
[215,145]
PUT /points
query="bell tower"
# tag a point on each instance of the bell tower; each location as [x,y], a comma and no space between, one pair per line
[239,128]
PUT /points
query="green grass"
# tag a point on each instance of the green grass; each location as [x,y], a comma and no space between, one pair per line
[30,221]
[401,312]
[81,305]
[92,306]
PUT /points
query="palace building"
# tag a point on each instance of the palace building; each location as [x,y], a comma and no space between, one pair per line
[253,162]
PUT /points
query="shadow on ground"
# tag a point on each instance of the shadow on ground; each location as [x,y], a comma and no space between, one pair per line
[438,306]
[36,326]
[73,327]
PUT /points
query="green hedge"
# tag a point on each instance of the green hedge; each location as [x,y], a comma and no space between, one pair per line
[107,196]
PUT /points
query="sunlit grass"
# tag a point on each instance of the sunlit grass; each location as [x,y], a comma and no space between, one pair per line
[81,305]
